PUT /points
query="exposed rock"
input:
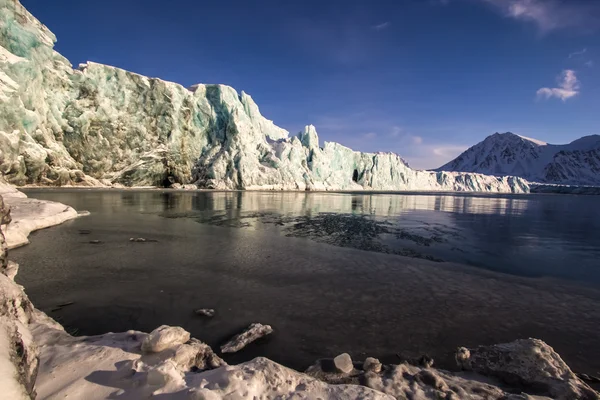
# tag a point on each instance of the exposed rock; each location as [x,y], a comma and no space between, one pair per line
[164,337]
[343,363]
[254,332]
[205,312]
[529,363]
[372,365]
[426,361]
[18,353]
[145,131]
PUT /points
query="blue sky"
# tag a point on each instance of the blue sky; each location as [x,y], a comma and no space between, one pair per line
[422,78]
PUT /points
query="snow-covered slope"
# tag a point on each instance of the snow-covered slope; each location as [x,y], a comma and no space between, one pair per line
[576,163]
[101,125]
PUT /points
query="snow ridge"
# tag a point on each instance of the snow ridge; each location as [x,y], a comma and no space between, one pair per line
[576,163]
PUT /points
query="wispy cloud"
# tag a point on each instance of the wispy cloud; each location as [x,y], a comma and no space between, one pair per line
[381,26]
[578,53]
[589,63]
[568,86]
[370,135]
[551,15]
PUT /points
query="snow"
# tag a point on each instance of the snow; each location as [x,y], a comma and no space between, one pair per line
[30,215]
[576,163]
[164,337]
[11,388]
[538,142]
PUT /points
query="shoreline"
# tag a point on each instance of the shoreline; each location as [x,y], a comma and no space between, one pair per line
[104,365]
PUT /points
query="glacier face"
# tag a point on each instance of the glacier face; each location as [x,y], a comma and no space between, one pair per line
[576,163]
[100,125]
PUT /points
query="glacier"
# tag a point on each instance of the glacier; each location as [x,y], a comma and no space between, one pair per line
[98,125]
[567,165]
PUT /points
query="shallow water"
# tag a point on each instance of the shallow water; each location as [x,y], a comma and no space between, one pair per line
[327,270]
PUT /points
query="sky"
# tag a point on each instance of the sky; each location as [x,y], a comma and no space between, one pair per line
[422,78]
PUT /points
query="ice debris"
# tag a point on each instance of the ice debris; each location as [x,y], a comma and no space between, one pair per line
[255,331]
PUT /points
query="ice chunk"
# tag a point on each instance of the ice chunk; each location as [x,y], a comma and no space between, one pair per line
[254,332]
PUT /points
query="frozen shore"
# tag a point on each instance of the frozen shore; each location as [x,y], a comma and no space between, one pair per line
[29,215]
[131,365]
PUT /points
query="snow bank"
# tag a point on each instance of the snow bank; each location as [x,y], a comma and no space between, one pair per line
[30,215]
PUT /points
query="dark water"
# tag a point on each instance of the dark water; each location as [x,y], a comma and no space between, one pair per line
[385,275]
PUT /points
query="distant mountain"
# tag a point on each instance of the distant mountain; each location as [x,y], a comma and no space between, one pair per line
[576,163]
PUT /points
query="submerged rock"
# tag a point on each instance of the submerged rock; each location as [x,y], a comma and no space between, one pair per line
[164,337]
[205,312]
[254,332]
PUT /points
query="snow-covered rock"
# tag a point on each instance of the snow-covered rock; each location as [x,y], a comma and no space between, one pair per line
[164,337]
[99,125]
[528,363]
[253,332]
[18,352]
[576,163]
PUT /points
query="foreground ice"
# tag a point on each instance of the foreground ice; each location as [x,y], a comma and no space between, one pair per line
[29,215]
[101,125]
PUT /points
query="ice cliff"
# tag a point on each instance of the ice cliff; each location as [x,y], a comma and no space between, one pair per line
[100,125]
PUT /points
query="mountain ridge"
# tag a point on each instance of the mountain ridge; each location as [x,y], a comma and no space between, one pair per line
[575,163]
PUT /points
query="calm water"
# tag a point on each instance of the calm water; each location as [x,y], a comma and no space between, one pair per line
[386,275]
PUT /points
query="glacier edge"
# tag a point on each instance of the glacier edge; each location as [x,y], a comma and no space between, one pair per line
[98,125]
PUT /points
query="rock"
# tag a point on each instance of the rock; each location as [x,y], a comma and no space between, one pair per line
[164,337]
[205,312]
[343,363]
[426,361]
[196,356]
[252,333]
[527,363]
[372,365]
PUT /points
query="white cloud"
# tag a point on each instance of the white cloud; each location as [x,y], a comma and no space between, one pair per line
[568,86]
[416,140]
[578,53]
[396,131]
[382,26]
[551,15]
[589,63]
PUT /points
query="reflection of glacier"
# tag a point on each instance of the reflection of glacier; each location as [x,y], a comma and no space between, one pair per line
[301,203]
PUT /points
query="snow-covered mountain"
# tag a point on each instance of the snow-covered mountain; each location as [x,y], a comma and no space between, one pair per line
[576,163]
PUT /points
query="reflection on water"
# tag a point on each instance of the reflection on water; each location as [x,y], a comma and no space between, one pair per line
[533,235]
